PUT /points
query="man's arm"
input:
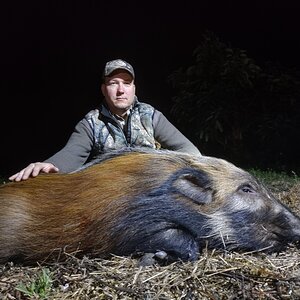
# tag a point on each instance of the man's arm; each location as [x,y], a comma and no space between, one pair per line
[69,158]
[170,137]
[76,151]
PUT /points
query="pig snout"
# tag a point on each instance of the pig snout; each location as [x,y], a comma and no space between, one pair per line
[254,220]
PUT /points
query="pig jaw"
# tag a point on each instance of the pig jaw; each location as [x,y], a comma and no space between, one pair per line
[253,231]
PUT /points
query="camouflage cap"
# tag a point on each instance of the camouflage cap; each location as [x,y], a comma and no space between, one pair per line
[116,64]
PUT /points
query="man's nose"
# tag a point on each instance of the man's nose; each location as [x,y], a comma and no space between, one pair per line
[120,87]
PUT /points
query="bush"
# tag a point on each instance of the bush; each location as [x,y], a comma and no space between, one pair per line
[232,108]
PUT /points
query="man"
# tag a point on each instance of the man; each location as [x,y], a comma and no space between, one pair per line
[120,121]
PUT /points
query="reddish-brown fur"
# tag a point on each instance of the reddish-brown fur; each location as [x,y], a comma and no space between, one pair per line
[73,211]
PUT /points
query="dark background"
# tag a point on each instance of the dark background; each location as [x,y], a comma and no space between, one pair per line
[53,53]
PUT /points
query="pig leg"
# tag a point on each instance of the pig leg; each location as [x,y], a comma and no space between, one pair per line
[176,244]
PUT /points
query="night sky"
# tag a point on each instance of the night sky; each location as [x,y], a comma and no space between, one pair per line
[53,52]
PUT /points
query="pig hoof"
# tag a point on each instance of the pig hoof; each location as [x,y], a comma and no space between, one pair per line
[149,259]
[162,255]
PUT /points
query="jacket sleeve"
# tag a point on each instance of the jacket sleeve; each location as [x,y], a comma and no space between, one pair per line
[170,137]
[76,151]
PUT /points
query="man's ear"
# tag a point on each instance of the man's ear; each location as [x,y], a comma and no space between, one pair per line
[103,89]
[194,184]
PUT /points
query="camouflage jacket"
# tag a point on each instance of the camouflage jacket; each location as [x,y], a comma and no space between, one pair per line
[109,135]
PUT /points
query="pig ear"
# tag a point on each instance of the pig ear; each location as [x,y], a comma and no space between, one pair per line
[196,185]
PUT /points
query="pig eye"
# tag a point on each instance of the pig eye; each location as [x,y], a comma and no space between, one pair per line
[247,188]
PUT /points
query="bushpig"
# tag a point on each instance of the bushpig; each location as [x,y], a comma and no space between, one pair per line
[139,201]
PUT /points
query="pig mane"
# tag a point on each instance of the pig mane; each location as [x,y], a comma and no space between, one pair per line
[128,150]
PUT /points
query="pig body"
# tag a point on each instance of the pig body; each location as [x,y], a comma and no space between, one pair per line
[142,201]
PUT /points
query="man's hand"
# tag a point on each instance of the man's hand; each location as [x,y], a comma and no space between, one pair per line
[33,170]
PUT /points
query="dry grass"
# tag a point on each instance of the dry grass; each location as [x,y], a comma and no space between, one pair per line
[216,275]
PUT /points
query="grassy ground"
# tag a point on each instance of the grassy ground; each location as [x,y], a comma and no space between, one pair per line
[216,275]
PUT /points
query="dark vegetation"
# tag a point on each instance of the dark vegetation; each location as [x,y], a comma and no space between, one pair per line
[233,108]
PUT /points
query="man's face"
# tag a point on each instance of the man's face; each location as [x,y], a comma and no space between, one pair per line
[119,91]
